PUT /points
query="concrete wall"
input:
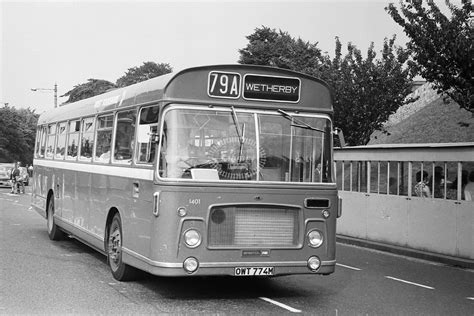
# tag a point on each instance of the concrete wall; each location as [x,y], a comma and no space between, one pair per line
[433,225]
[436,225]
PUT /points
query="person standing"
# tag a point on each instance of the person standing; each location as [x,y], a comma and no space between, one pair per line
[421,188]
[21,180]
[14,175]
[469,188]
[435,182]
[30,170]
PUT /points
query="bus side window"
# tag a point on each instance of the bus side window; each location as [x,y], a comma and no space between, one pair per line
[87,139]
[61,141]
[148,126]
[104,138]
[73,140]
[124,137]
[50,142]
[41,142]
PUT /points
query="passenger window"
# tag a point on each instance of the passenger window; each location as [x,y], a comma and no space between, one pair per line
[104,138]
[87,139]
[148,126]
[124,137]
[41,141]
[61,141]
[73,139]
[50,141]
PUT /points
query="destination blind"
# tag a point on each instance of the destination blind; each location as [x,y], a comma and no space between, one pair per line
[271,88]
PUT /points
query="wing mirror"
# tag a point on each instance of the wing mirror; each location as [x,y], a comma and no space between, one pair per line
[338,132]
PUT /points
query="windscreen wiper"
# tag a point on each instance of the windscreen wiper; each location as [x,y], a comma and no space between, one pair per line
[239,132]
[298,123]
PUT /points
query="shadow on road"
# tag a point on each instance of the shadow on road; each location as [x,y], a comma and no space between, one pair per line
[219,287]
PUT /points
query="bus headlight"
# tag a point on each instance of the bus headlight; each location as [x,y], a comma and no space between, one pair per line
[190,264]
[192,238]
[315,238]
[314,263]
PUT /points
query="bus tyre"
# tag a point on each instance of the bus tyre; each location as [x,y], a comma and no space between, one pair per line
[54,232]
[120,270]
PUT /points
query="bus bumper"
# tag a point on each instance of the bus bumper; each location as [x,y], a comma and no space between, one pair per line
[227,268]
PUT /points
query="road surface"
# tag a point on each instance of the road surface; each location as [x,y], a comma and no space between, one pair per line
[39,276]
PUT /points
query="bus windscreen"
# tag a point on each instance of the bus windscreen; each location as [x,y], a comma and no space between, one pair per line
[243,145]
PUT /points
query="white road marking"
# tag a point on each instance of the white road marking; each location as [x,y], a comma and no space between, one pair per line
[288,308]
[348,267]
[470,298]
[412,283]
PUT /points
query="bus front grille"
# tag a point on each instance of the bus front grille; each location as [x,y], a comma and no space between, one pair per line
[254,226]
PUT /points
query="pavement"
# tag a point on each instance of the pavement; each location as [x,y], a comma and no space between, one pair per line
[409,252]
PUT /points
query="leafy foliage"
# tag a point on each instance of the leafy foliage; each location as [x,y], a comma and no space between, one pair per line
[95,87]
[441,46]
[17,134]
[146,71]
[366,90]
[267,47]
[89,89]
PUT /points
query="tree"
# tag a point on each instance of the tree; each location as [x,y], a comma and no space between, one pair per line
[267,47]
[95,87]
[366,90]
[89,89]
[17,134]
[146,71]
[441,46]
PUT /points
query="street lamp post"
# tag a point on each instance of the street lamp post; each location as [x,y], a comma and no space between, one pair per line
[55,93]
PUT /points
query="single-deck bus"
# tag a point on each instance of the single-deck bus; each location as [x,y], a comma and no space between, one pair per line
[213,170]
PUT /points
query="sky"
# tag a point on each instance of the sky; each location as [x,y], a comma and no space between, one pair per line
[68,42]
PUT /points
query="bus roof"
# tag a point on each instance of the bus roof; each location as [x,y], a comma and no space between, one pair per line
[192,85]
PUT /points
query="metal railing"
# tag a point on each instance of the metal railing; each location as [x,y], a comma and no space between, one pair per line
[446,169]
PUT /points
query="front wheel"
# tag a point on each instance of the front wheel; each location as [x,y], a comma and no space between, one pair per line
[120,270]
[54,232]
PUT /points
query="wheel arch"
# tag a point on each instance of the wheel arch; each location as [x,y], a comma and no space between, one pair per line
[110,215]
[48,198]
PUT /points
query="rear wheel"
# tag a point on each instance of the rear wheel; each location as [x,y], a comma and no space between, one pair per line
[54,232]
[120,270]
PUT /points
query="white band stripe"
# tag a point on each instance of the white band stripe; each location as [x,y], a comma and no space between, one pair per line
[348,267]
[412,283]
[111,170]
[288,308]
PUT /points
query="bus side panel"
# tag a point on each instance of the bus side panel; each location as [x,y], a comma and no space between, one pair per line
[139,220]
[82,207]
[38,198]
[100,200]
[69,196]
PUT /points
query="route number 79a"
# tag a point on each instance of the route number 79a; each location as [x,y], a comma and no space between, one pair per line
[223,85]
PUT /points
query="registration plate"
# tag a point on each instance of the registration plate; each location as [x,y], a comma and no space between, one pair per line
[251,271]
